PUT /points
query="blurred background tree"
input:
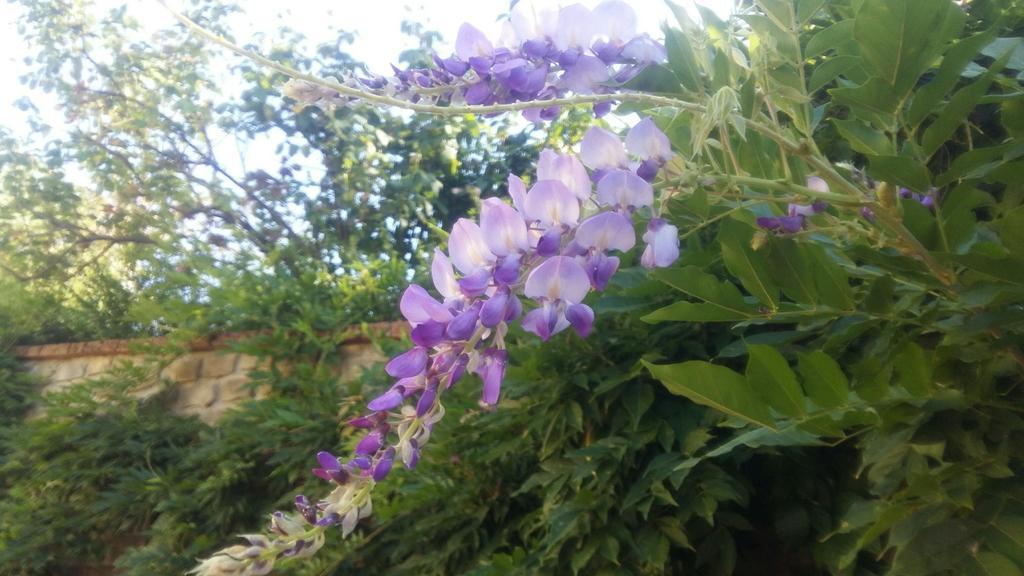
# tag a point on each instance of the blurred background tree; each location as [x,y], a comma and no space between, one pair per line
[168,181]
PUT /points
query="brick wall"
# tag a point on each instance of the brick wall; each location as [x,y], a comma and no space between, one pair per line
[209,377]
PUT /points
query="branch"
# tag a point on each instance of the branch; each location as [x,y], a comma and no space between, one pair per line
[386,100]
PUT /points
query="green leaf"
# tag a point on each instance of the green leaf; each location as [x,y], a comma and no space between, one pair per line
[808,274]
[769,374]
[980,162]
[937,548]
[670,527]
[806,9]
[697,312]
[879,298]
[914,370]
[900,39]
[1006,269]
[828,70]
[655,79]
[953,63]
[863,138]
[828,39]
[791,271]
[959,106]
[993,564]
[921,223]
[874,101]
[1011,113]
[782,42]
[721,299]
[715,386]
[900,170]
[1010,228]
[681,59]
[958,219]
[638,400]
[830,281]
[1006,536]
[824,381]
[745,264]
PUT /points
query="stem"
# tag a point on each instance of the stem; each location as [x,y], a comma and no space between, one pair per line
[784,186]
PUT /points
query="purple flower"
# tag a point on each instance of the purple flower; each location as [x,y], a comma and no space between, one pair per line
[550,204]
[806,209]
[600,269]
[928,202]
[472,43]
[647,142]
[457,370]
[517,191]
[606,231]
[644,50]
[558,278]
[468,248]
[494,309]
[662,241]
[575,28]
[387,401]
[584,74]
[507,270]
[615,20]
[370,443]
[602,108]
[550,242]
[330,468]
[428,334]
[479,94]
[476,283]
[407,364]
[601,150]
[418,306]
[443,276]
[624,190]
[816,183]
[426,401]
[532,20]
[581,317]
[492,370]
[503,228]
[782,224]
[383,466]
[565,168]
[648,170]
[462,327]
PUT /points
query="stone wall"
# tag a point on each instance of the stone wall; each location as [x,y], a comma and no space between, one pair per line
[209,378]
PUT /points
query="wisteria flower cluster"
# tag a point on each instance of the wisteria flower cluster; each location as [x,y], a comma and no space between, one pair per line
[926,200]
[532,261]
[542,54]
[796,214]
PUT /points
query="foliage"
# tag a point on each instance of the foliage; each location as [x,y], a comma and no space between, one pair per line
[893,329]
[839,400]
